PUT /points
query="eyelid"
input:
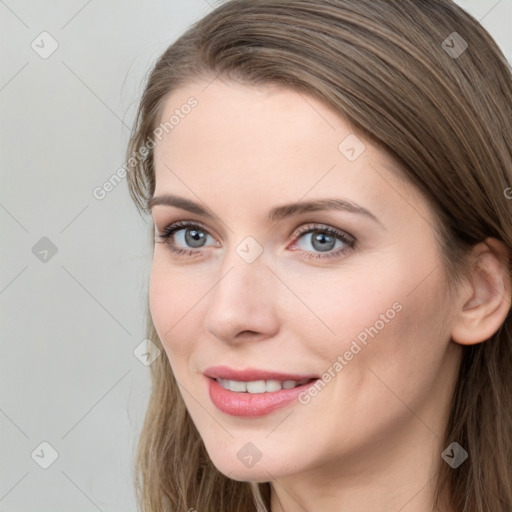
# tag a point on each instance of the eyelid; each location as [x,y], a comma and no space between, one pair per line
[345,237]
[182,224]
[296,232]
[319,226]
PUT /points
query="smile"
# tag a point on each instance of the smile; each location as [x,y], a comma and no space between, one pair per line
[259,386]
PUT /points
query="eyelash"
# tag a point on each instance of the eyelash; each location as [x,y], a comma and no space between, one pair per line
[348,240]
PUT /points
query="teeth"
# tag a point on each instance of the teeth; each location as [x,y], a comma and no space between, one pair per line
[235,385]
[272,385]
[259,386]
[256,386]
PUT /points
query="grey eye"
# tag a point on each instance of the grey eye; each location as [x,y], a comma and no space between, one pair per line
[191,237]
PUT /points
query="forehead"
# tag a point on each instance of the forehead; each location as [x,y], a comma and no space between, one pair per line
[270,142]
[258,117]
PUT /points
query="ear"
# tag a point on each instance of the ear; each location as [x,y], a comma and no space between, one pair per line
[486,297]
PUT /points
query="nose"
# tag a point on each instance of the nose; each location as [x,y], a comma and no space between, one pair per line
[243,302]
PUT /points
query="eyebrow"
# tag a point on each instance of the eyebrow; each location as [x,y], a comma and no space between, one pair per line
[275,214]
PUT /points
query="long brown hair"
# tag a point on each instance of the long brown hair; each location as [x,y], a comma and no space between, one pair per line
[400,72]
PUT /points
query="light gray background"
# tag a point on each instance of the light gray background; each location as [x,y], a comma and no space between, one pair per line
[70,324]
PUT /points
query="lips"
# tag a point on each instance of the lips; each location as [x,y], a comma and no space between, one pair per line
[253,392]
[250,374]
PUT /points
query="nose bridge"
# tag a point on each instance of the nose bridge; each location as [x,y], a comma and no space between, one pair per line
[242,299]
[243,268]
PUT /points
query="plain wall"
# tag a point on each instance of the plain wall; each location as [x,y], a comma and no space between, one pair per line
[74,267]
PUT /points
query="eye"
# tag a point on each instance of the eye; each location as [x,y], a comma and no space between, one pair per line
[324,239]
[187,238]
[188,234]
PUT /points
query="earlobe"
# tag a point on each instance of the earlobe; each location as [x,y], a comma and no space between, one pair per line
[486,300]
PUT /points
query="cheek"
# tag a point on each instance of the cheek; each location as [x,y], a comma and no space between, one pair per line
[391,341]
[351,302]
[385,318]
[406,336]
[172,297]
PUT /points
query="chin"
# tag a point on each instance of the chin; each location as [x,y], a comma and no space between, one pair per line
[250,476]
[235,470]
[247,464]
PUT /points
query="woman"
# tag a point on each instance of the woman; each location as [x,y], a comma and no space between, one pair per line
[329,182]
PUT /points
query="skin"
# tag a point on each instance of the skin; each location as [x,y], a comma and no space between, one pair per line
[371,439]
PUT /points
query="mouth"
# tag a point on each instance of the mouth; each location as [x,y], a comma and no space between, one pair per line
[251,375]
[261,386]
[253,392]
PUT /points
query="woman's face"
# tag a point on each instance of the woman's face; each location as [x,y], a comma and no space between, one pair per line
[344,299]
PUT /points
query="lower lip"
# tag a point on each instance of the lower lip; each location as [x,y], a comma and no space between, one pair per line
[252,404]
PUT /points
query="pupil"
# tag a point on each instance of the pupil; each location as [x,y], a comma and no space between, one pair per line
[194,238]
[327,242]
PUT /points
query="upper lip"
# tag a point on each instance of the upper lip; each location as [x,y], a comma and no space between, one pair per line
[252,374]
